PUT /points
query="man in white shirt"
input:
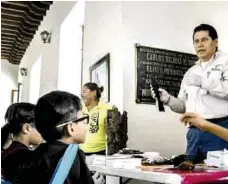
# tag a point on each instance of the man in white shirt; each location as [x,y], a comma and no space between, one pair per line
[204,90]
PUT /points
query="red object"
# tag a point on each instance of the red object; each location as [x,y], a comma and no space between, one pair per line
[199,175]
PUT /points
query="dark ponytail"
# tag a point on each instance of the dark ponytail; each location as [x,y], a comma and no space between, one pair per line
[94,87]
[4,135]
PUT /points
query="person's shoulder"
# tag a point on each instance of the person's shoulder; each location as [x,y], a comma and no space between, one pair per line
[81,154]
[48,154]
[84,108]
[192,68]
[51,148]
[220,60]
[221,56]
[110,106]
[15,150]
[106,106]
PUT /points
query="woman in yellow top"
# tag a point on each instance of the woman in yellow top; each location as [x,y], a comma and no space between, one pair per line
[95,142]
[194,119]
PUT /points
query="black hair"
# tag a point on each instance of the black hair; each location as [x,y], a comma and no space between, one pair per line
[4,135]
[205,27]
[16,115]
[53,109]
[94,87]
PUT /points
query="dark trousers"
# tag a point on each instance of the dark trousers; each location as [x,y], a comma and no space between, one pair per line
[199,142]
[97,153]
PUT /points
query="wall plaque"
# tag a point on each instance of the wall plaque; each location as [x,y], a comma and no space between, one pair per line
[167,67]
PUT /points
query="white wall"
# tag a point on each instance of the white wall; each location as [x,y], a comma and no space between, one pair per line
[50,52]
[103,34]
[8,82]
[70,50]
[115,27]
[34,85]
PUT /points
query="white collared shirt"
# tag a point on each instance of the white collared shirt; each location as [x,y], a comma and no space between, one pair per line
[211,99]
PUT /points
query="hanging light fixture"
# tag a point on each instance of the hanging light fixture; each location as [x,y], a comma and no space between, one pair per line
[46,36]
[24,71]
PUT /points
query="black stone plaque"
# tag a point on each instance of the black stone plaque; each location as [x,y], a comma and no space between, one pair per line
[167,67]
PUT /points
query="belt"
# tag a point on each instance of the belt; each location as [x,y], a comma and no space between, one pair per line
[218,119]
[214,120]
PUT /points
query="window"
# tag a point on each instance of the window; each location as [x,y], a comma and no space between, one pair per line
[34,87]
[70,50]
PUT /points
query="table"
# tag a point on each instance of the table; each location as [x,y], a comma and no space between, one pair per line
[167,176]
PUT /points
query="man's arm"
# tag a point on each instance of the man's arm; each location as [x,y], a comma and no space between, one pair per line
[177,105]
[198,121]
[217,87]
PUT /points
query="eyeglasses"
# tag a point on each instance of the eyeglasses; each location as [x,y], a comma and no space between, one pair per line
[85,119]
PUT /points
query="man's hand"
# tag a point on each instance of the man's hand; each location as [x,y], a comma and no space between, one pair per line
[194,80]
[98,178]
[193,119]
[164,95]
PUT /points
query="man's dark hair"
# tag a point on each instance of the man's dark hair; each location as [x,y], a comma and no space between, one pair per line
[205,27]
[55,108]
[94,87]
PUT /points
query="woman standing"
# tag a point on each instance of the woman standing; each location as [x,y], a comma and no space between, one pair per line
[97,110]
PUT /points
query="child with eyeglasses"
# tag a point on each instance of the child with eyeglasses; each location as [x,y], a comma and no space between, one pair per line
[59,119]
